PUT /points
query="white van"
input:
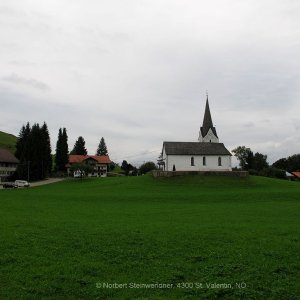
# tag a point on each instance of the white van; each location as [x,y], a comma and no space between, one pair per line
[22,183]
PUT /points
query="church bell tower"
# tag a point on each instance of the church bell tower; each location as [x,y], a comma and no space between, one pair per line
[208,133]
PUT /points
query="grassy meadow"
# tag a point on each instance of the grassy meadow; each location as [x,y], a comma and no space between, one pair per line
[8,141]
[63,241]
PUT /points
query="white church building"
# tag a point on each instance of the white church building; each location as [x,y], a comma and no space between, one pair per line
[205,155]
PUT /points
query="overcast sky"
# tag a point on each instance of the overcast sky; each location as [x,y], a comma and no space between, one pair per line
[136,72]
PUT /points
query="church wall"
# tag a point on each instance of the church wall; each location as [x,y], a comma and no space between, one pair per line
[183,163]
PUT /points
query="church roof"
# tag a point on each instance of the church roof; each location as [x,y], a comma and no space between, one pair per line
[195,148]
[207,122]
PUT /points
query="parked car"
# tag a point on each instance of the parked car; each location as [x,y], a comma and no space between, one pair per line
[22,183]
[9,185]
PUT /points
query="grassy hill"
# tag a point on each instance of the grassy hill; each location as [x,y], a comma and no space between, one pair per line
[8,141]
[63,241]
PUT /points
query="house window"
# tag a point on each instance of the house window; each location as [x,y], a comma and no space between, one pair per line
[220,161]
[204,161]
[192,161]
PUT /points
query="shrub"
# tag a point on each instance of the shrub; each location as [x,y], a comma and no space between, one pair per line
[273,172]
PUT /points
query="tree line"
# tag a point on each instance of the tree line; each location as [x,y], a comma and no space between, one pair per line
[33,149]
[256,163]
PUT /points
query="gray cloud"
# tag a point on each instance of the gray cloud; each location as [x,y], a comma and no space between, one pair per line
[16,79]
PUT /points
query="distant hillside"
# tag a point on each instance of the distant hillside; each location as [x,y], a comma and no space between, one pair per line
[8,141]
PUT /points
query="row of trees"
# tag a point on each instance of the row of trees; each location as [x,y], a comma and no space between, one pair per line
[33,149]
[257,163]
[129,169]
[79,147]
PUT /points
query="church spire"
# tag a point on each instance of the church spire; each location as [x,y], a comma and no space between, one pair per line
[208,132]
[207,121]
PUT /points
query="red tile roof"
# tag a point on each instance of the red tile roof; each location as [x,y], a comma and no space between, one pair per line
[7,157]
[101,159]
[297,174]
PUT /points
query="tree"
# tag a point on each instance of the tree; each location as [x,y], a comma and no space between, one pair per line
[242,154]
[147,167]
[250,161]
[62,150]
[127,168]
[290,164]
[79,147]
[46,151]
[259,162]
[102,149]
[58,151]
[34,152]
[22,152]
[281,163]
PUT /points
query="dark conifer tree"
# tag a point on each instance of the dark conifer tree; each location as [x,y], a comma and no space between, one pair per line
[62,150]
[46,151]
[35,158]
[34,152]
[102,149]
[58,151]
[22,151]
[79,147]
[65,147]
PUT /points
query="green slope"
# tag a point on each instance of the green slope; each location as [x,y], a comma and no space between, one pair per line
[59,241]
[8,141]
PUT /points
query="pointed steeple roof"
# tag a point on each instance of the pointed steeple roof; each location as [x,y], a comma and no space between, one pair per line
[207,121]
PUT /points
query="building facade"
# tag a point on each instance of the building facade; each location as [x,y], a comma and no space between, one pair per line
[8,164]
[205,155]
[99,163]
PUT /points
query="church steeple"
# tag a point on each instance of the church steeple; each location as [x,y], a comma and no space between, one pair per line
[208,132]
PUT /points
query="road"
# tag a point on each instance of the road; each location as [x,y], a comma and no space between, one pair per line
[42,182]
[47,181]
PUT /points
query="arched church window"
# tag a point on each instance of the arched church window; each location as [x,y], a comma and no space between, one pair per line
[204,161]
[192,161]
[220,161]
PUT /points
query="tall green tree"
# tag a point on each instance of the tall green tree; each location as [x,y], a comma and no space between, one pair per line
[46,151]
[22,142]
[259,161]
[102,149]
[23,152]
[248,160]
[34,152]
[242,154]
[79,147]
[62,150]
[58,151]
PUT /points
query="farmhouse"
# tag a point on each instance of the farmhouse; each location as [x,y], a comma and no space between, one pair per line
[99,163]
[205,155]
[8,163]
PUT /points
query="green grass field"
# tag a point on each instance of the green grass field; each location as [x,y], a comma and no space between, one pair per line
[8,141]
[64,240]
